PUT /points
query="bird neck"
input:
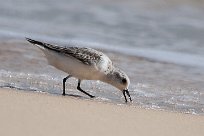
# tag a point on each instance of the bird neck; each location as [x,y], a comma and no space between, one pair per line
[108,78]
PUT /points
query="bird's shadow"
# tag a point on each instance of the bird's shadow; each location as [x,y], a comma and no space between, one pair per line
[74,95]
[71,95]
[79,96]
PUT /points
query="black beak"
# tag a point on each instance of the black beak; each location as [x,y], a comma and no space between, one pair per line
[127,92]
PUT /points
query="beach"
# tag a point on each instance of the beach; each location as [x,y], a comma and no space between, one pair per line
[27,113]
[154,85]
[163,59]
[158,44]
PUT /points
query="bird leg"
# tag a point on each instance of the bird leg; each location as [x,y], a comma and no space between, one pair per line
[64,81]
[79,88]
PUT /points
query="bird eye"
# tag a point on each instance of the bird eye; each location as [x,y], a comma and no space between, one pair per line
[124,81]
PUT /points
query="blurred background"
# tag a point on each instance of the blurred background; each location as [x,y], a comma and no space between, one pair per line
[159,43]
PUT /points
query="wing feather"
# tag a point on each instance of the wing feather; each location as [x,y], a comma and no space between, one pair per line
[87,56]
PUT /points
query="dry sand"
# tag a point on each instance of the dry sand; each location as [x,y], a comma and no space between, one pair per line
[37,114]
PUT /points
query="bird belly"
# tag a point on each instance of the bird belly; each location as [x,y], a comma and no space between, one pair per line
[72,66]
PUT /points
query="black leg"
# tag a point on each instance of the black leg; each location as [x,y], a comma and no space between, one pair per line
[79,88]
[124,95]
[64,81]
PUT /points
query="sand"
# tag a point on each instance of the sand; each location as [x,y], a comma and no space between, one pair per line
[37,114]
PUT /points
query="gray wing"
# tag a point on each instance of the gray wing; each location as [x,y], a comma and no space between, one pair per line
[85,55]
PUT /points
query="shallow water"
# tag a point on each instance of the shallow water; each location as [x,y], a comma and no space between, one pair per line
[159,45]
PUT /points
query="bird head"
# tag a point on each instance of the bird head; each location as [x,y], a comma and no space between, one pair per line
[120,80]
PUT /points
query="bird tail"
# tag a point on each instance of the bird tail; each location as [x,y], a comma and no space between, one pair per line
[44,46]
[41,45]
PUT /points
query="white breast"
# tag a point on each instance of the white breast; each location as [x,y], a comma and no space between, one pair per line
[75,67]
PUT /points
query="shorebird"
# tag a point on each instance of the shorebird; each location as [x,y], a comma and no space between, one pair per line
[84,64]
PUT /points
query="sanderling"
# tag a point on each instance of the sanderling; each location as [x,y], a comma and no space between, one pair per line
[84,64]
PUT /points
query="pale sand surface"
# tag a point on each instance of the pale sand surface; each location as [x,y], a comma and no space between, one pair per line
[38,114]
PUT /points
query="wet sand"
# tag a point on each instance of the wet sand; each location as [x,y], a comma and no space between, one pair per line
[30,114]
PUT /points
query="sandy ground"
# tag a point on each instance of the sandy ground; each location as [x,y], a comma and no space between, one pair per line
[37,114]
